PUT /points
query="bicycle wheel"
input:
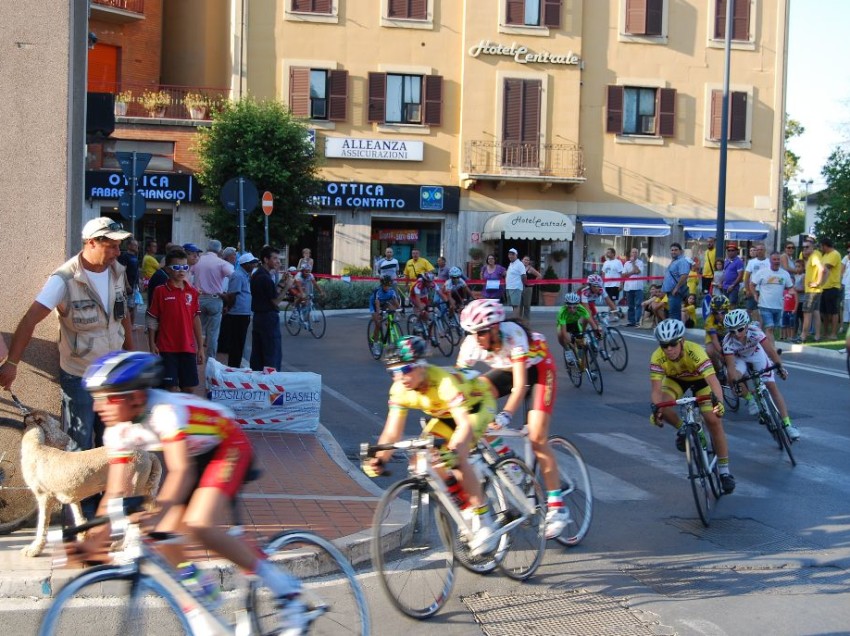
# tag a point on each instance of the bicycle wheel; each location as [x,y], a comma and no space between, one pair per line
[17,503]
[292,320]
[778,430]
[376,347]
[575,489]
[594,373]
[485,563]
[331,590]
[114,599]
[573,370]
[316,320]
[614,346]
[523,504]
[393,333]
[730,396]
[698,477]
[453,329]
[415,327]
[412,548]
[440,337]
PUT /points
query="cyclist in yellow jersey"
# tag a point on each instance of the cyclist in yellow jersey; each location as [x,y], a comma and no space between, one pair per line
[460,405]
[715,329]
[676,366]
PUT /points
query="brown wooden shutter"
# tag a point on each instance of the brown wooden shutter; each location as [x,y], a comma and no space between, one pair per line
[552,13]
[614,115]
[323,6]
[433,100]
[738,116]
[532,96]
[377,111]
[716,114]
[667,112]
[312,6]
[337,95]
[397,9]
[299,91]
[654,17]
[418,10]
[720,19]
[514,11]
[636,17]
[741,21]
[512,111]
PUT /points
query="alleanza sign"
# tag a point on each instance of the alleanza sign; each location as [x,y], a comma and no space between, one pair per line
[523,55]
[383,149]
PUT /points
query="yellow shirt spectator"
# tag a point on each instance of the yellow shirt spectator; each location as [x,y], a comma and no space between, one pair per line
[149,266]
[814,265]
[708,263]
[416,266]
[833,261]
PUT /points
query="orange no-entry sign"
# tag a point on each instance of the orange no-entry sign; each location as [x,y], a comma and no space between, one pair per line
[268,203]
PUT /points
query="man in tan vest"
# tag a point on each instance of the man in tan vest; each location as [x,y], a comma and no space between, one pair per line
[88,293]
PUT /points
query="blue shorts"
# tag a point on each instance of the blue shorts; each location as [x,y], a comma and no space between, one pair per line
[770,318]
[789,319]
[180,370]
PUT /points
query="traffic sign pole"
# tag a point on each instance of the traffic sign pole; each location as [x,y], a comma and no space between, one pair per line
[268,206]
[241,206]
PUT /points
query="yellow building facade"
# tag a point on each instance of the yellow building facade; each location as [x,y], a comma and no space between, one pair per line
[538,124]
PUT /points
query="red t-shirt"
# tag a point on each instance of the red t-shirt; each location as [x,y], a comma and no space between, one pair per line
[789,301]
[175,309]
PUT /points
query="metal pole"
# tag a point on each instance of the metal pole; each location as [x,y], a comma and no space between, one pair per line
[133,199]
[267,228]
[724,132]
[241,215]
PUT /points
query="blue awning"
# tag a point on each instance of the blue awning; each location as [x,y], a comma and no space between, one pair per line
[624,226]
[732,230]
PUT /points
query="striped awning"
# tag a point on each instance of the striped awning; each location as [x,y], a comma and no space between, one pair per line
[544,225]
[732,230]
[624,226]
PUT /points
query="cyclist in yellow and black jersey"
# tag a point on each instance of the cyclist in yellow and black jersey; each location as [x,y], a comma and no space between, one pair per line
[715,329]
[460,405]
[675,367]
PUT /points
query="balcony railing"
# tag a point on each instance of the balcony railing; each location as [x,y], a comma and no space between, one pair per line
[507,161]
[134,6]
[166,102]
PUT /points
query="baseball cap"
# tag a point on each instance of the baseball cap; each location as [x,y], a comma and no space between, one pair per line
[104,227]
[191,247]
[732,246]
[247,257]
[512,250]
[292,269]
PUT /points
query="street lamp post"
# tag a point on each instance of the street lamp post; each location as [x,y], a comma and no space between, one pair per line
[806,184]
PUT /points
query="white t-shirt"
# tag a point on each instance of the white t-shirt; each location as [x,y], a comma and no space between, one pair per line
[388,266]
[845,278]
[771,287]
[54,289]
[513,277]
[627,271]
[755,264]
[612,269]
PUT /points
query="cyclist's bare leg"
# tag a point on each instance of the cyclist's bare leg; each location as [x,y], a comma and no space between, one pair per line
[376,331]
[465,474]
[777,398]
[538,435]
[718,435]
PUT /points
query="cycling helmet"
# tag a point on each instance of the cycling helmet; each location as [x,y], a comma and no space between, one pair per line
[408,349]
[719,303]
[386,279]
[428,277]
[736,318]
[455,272]
[595,280]
[669,330]
[571,298]
[481,314]
[123,371]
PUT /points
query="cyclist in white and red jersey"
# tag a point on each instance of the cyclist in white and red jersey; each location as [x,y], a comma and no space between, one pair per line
[593,294]
[207,456]
[745,342]
[425,293]
[518,358]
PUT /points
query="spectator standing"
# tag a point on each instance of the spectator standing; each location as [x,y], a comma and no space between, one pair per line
[388,265]
[693,278]
[528,290]
[831,283]
[211,274]
[174,326]
[733,273]
[442,270]
[845,283]
[633,269]
[237,318]
[129,258]
[769,286]
[305,259]
[494,278]
[415,267]
[800,288]
[812,294]
[612,269]
[675,281]
[708,266]
[757,262]
[88,293]
[230,255]
[193,254]
[786,259]
[514,281]
[149,262]
[265,298]
[717,284]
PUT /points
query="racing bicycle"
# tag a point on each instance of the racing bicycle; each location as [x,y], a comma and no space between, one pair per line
[390,331]
[581,360]
[613,346]
[768,412]
[308,315]
[431,329]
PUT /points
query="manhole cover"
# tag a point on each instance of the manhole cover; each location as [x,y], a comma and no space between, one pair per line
[567,613]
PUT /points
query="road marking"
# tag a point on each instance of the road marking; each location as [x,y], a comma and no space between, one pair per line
[812,369]
[610,488]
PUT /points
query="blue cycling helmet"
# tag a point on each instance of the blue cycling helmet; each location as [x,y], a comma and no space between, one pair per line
[408,349]
[455,272]
[123,371]
[571,298]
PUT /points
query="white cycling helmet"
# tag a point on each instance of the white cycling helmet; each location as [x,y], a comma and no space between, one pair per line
[736,318]
[595,280]
[481,314]
[669,330]
[571,298]
[455,272]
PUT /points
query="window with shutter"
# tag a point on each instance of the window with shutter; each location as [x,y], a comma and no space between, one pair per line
[737,115]
[312,6]
[337,95]
[521,123]
[533,13]
[740,20]
[408,9]
[635,110]
[644,17]
[299,91]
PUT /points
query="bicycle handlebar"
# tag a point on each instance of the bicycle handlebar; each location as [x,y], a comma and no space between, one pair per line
[685,400]
[755,374]
[415,443]
[128,506]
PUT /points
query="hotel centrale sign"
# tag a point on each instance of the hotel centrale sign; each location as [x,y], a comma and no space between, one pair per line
[384,149]
[522,55]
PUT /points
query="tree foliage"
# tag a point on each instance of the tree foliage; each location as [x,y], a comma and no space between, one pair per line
[263,142]
[834,202]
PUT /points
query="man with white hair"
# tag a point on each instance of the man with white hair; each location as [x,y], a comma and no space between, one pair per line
[211,274]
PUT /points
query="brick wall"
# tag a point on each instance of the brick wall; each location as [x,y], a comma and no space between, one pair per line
[140,42]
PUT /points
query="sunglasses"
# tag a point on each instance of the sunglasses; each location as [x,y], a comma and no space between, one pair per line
[178,268]
[738,330]
[670,344]
[402,370]
[111,398]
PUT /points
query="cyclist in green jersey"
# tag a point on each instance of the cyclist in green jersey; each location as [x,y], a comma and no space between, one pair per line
[572,318]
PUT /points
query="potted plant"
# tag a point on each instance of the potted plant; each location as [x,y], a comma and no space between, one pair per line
[559,255]
[476,254]
[155,102]
[549,291]
[122,101]
[197,105]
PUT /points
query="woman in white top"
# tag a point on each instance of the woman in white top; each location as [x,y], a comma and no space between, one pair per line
[305,260]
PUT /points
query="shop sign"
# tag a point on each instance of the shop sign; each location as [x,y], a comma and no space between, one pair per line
[105,184]
[399,236]
[339,195]
[384,149]
[522,54]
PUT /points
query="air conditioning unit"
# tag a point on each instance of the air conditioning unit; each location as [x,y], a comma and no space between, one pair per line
[647,124]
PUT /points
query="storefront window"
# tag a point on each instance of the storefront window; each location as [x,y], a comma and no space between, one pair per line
[595,246]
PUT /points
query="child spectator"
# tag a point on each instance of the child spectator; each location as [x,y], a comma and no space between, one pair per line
[718,278]
[693,279]
[689,310]
[800,286]
[656,304]
[174,326]
[789,314]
